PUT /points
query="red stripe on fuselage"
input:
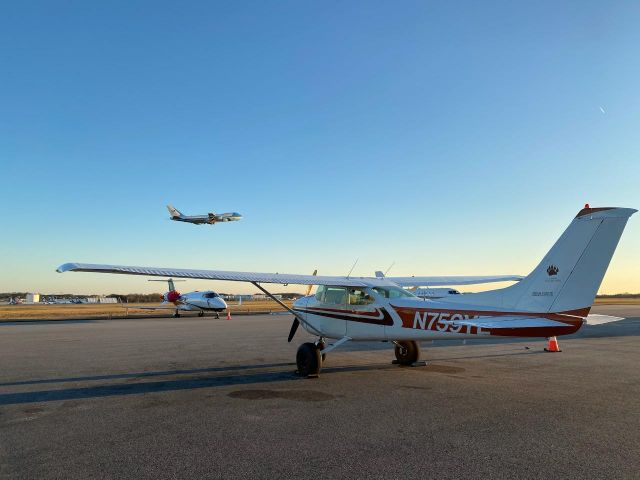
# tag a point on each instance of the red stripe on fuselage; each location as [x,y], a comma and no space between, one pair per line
[436,319]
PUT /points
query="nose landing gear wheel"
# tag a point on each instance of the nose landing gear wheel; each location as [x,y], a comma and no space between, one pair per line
[407,353]
[308,360]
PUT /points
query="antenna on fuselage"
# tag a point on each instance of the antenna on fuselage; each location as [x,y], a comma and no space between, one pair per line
[387,270]
[354,266]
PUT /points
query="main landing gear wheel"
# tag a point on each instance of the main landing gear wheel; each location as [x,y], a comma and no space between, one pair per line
[309,360]
[201,313]
[407,353]
[176,315]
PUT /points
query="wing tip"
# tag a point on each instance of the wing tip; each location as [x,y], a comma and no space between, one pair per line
[66,267]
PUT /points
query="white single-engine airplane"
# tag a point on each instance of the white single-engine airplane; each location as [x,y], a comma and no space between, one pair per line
[209,218]
[554,299]
[201,302]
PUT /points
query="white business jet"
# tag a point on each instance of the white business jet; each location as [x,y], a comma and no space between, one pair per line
[554,299]
[201,302]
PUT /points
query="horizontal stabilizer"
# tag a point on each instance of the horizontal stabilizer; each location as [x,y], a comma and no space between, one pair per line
[595,319]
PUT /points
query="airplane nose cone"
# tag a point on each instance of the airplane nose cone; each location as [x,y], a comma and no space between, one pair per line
[221,303]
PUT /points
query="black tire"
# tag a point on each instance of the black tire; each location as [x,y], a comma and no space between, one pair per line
[201,314]
[309,360]
[407,353]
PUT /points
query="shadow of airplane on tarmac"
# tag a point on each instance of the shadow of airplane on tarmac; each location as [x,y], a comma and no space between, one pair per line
[169,385]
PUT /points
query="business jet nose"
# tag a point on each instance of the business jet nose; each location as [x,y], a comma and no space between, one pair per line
[220,303]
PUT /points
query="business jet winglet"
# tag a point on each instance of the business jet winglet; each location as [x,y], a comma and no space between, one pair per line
[554,299]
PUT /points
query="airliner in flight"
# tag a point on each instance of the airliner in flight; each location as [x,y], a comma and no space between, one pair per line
[210,218]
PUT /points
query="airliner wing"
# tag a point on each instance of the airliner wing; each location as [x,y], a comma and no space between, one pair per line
[282,278]
[452,280]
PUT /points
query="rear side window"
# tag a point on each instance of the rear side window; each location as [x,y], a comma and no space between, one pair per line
[358,296]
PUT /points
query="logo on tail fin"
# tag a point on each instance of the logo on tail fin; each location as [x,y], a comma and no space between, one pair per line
[552,270]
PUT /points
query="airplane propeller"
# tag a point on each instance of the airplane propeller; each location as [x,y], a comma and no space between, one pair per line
[296,322]
[294,329]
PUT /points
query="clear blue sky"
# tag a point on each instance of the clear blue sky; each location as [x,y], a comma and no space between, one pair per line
[449,137]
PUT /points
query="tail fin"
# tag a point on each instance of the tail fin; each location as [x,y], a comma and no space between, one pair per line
[570,274]
[173,212]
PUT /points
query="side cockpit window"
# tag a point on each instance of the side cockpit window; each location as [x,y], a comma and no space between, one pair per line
[393,292]
[331,295]
[358,296]
[335,296]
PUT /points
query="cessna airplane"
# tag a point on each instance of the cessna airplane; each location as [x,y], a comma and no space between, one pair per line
[200,302]
[209,218]
[554,299]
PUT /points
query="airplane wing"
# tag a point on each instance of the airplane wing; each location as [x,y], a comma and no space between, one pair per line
[452,280]
[282,278]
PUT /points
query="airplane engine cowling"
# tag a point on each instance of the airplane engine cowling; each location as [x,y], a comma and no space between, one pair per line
[172,296]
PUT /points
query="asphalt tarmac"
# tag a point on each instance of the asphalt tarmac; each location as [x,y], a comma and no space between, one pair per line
[206,398]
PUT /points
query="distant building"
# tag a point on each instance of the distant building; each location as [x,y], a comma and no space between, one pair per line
[33,298]
[262,296]
[97,299]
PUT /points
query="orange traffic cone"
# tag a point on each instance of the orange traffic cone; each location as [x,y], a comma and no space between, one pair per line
[228,314]
[553,345]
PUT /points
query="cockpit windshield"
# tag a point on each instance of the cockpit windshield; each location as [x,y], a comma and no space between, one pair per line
[393,292]
[210,295]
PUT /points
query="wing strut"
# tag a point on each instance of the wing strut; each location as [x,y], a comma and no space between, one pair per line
[296,319]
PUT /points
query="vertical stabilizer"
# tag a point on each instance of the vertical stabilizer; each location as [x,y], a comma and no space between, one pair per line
[570,274]
[173,212]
